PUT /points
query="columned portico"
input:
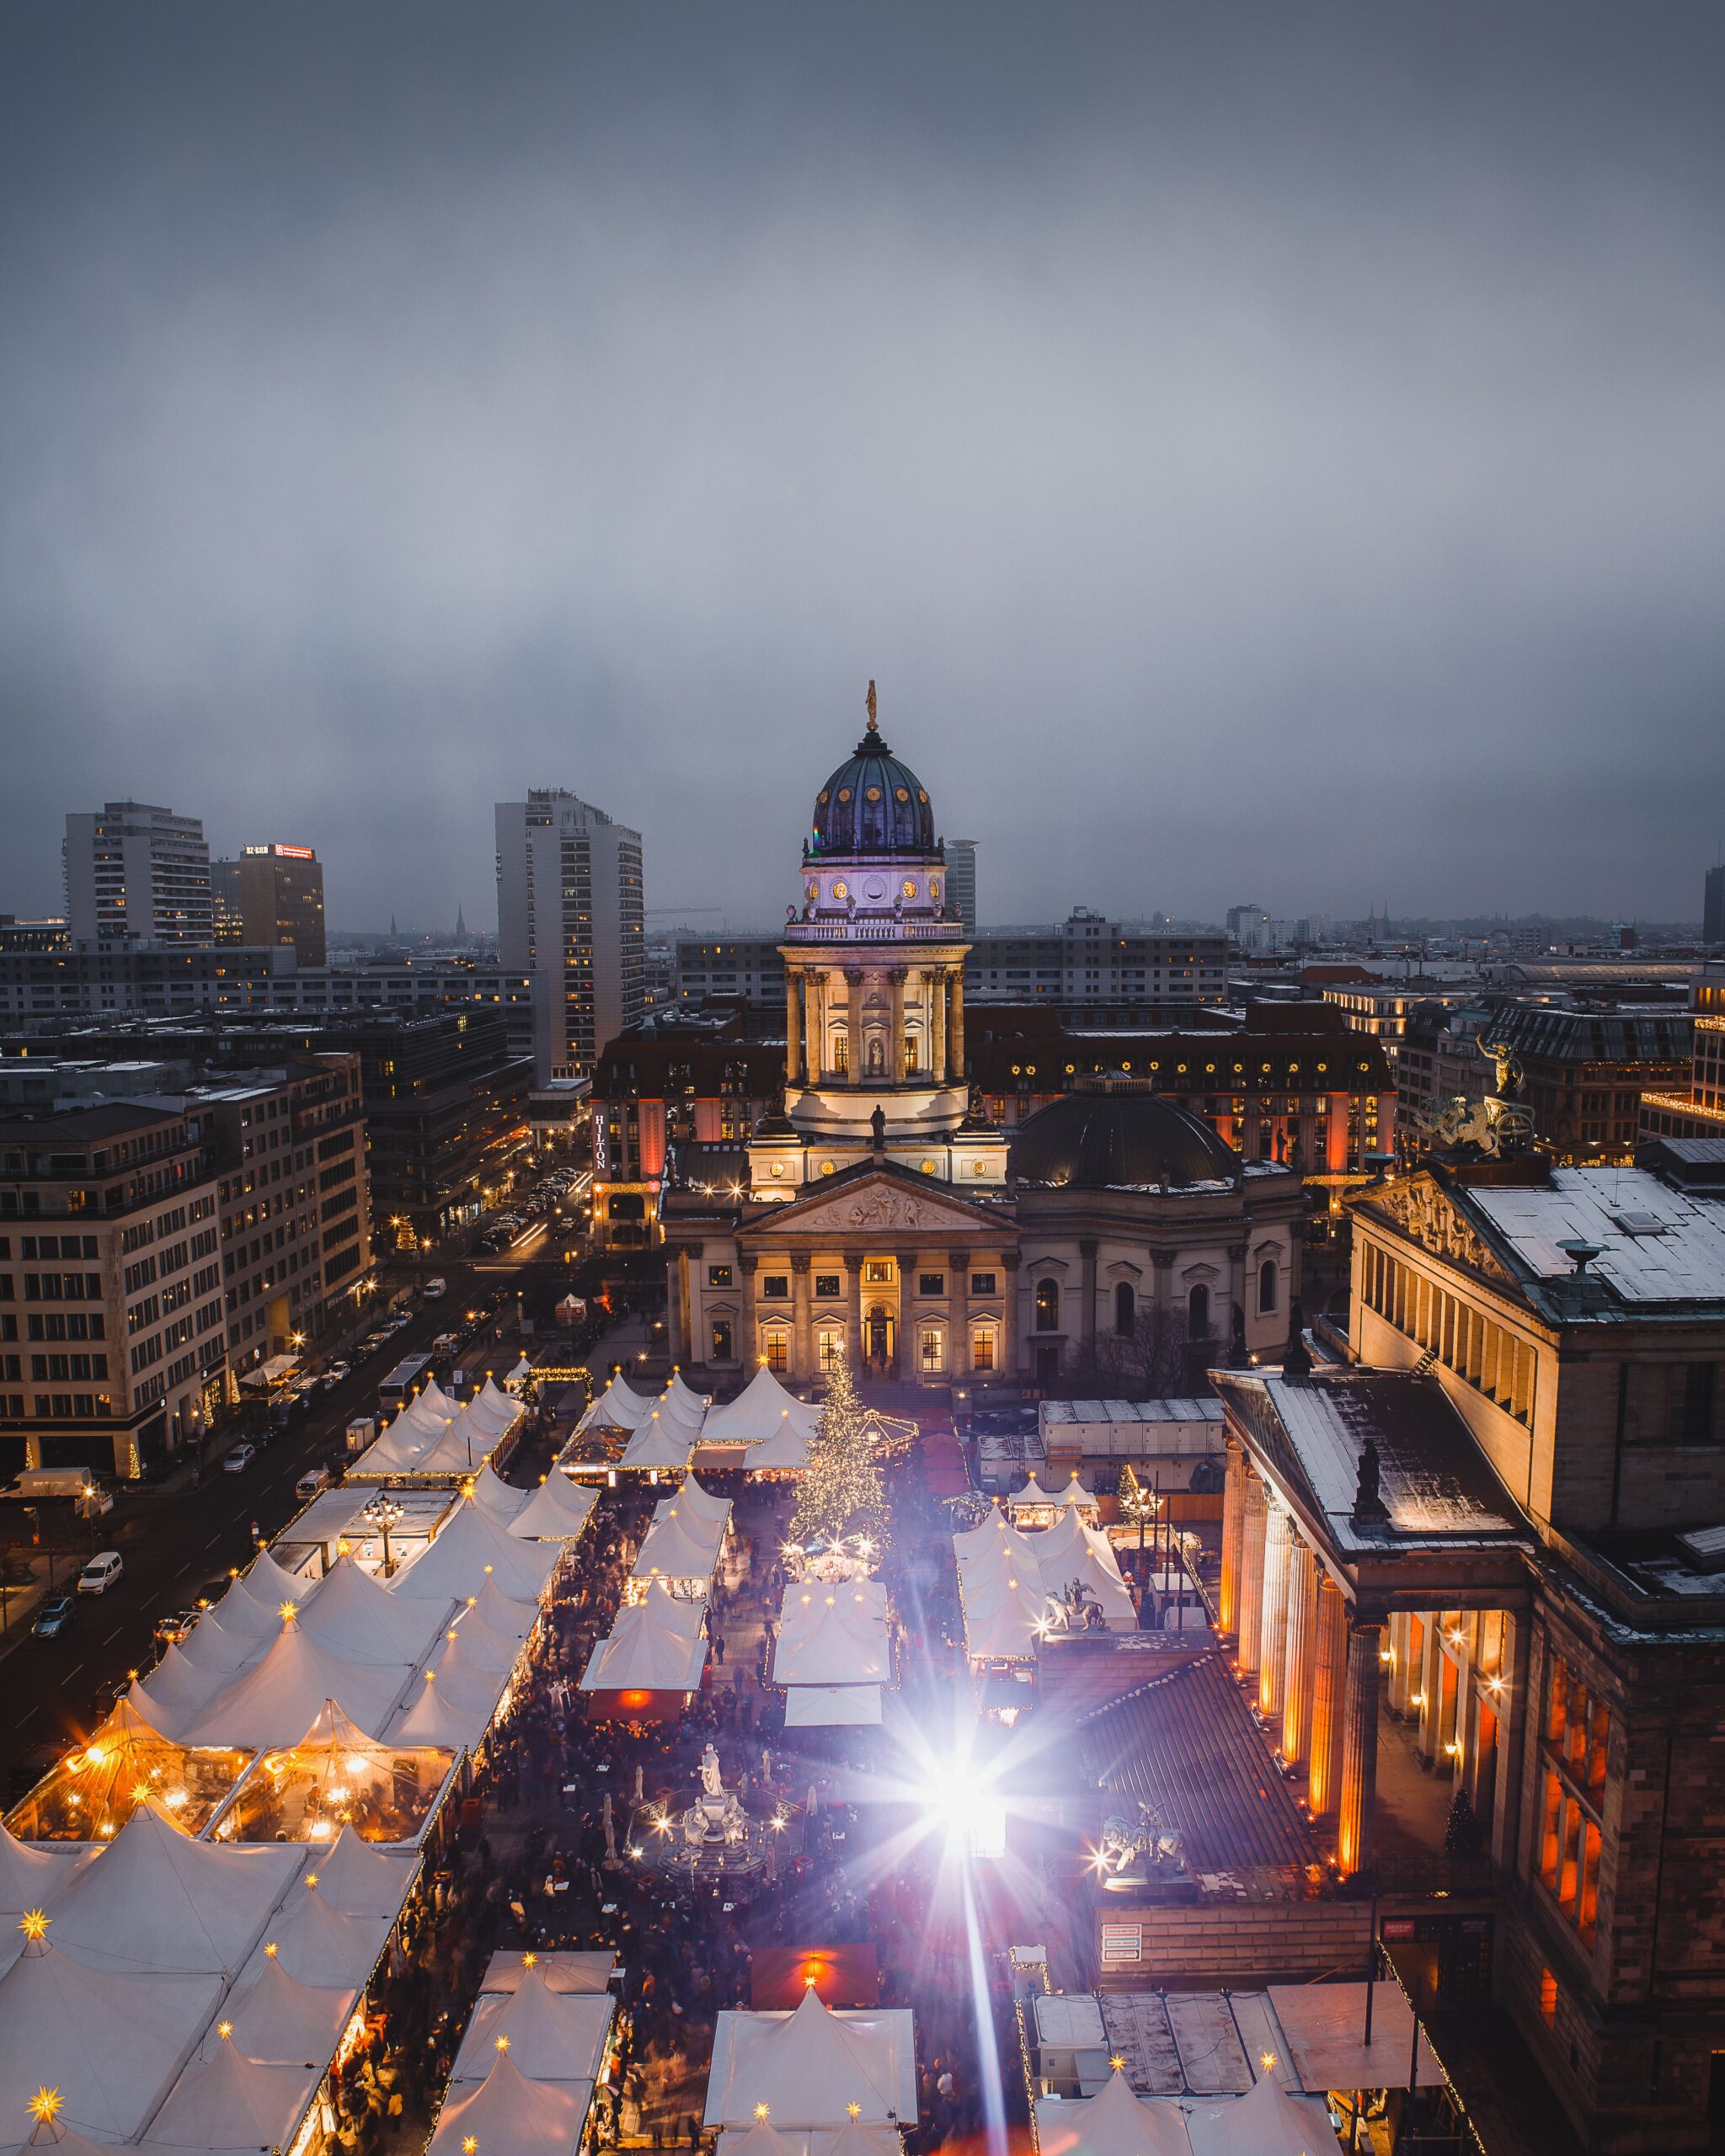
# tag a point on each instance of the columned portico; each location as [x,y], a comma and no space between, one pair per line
[1359,1748]
[1302,1630]
[1233,1531]
[1272,1652]
[1328,1692]
[1253,1528]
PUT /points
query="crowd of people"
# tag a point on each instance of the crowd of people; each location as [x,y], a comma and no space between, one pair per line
[551,1845]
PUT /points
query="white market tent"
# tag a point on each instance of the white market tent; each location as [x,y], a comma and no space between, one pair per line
[1070,1550]
[275,1702]
[469,1550]
[31,1874]
[1267,2121]
[683,1400]
[499,1500]
[354,1616]
[661,1443]
[681,1545]
[278,2020]
[832,1635]
[228,2101]
[1010,1582]
[616,1408]
[499,1612]
[361,1880]
[1114,2122]
[1003,1614]
[657,1645]
[558,1511]
[832,1706]
[694,1499]
[808,2068]
[553,2035]
[758,1412]
[508,2114]
[782,1451]
[320,1944]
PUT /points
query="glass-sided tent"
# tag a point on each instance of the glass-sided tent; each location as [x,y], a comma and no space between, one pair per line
[334,1525]
[337,1776]
[96,1787]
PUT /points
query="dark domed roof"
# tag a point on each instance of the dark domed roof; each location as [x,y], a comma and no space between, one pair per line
[872,804]
[1098,1140]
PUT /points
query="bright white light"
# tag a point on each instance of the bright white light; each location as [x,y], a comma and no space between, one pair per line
[964,1808]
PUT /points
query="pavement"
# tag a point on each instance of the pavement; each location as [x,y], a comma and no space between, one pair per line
[180,1541]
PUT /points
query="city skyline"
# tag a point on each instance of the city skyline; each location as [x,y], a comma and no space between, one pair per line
[1253,458]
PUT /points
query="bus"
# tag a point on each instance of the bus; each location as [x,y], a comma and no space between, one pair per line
[406,1378]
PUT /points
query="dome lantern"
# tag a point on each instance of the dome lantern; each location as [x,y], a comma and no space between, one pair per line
[873,806]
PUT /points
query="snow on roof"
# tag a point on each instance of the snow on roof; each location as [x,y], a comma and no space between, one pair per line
[1655,1244]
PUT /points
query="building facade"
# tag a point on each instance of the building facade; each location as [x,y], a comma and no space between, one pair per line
[1698,1110]
[281,900]
[570,913]
[1089,962]
[136,873]
[1585,1071]
[881,1213]
[748,970]
[113,1348]
[961,881]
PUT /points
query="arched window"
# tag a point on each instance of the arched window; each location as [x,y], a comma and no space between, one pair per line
[1267,1285]
[1048,1306]
[1125,1309]
[1197,1312]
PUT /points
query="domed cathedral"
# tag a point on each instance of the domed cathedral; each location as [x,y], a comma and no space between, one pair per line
[874,993]
[887,1218]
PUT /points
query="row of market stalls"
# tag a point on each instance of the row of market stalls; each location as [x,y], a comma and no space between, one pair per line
[1018,1588]
[766,1430]
[655,1653]
[195,1902]
[539,2038]
[439,1439]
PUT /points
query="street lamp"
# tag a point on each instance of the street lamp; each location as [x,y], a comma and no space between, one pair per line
[383,1512]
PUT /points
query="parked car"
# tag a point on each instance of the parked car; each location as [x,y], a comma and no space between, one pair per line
[337,1371]
[53,1617]
[434,1288]
[239,1459]
[101,1572]
[171,1630]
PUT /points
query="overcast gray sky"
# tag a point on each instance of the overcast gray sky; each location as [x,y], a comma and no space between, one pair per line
[1268,454]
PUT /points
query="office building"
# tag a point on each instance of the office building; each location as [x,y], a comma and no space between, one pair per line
[1584,1072]
[1249,926]
[961,881]
[281,900]
[749,969]
[47,934]
[1087,962]
[112,1338]
[225,902]
[569,913]
[138,874]
[1699,1111]
[1713,907]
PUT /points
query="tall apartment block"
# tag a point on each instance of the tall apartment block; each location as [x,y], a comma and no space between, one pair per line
[570,913]
[136,873]
[1713,907]
[961,881]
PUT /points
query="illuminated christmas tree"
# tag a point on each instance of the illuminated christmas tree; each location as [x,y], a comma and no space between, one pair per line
[841,1492]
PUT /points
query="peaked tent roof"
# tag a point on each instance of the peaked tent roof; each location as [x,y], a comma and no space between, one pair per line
[277,1700]
[362,1880]
[809,2066]
[481,1648]
[157,1901]
[355,1617]
[497,1497]
[552,2036]
[280,2020]
[1265,2121]
[468,1549]
[649,1650]
[1032,1493]
[1114,2122]
[783,1451]
[173,1691]
[109,2043]
[322,1947]
[215,1647]
[501,1612]
[556,1511]
[431,1717]
[659,1442]
[227,2100]
[760,1411]
[679,1545]
[832,1648]
[703,1504]
[508,2114]
[618,1408]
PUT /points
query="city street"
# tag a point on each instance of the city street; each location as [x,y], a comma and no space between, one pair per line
[180,1542]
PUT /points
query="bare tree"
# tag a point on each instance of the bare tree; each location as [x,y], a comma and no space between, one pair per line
[1158,1359]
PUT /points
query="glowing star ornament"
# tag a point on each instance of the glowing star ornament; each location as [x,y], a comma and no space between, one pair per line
[34,1923]
[530,1960]
[502,2046]
[45,2106]
[470,2144]
[761,2110]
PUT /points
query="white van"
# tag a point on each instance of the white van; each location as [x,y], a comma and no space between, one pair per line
[311,1482]
[101,1572]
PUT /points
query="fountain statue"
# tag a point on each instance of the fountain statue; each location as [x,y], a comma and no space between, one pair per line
[716,1821]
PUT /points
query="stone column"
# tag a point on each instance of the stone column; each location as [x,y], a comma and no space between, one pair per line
[1359,1748]
[958,1023]
[748,1263]
[1087,1247]
[910,1357]
[1163,1261]
[934,986]
[895,1056]
[1400,1685]
[793,1026]
[1328,1689]
[1273,1634]
[1511,1703]
[816,1046]
[958,1313]
[853,1279]
[1233,1523]
[1428,1685]
[1302,1643]
[853,1024]
[802,1334]
[677,1310]
[1251,1540]
[1009,1313]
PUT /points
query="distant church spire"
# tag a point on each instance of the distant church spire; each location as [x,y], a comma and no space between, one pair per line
[392,929]
[461,925]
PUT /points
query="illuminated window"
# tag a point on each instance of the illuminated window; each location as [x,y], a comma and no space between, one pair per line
[842,1054]
[777,1350]
[1048,1306]
[828,1287]
[1548,1998]
[878,1271]
[910,1065]
[931,1349]
[832,1344]
[982,1349]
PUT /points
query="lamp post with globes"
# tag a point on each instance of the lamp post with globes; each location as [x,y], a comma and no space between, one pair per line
[383,1512]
